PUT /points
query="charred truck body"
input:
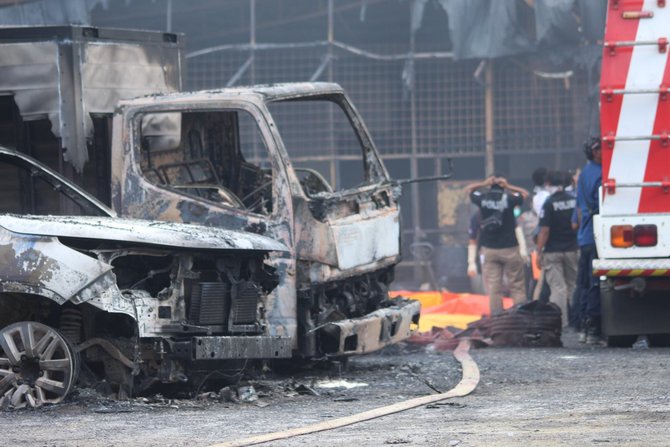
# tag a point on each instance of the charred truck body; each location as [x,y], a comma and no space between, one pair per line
[219,159]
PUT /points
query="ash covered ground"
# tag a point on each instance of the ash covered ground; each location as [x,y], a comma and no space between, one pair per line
[575,395]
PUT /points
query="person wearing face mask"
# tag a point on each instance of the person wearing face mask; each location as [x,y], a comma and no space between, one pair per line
[557,249]
[496,200]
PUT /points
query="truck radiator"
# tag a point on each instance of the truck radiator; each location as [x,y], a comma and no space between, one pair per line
[210,303]
[245,303]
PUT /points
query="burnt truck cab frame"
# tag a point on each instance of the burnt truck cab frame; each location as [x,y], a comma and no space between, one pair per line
[137,301]
[219,158]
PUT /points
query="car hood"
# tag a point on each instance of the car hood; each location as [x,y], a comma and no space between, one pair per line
[167,234]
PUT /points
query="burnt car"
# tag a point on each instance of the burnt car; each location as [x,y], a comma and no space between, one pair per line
[138,302]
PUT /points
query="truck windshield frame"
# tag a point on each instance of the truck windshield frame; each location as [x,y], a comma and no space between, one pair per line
[219,153]
[324,121]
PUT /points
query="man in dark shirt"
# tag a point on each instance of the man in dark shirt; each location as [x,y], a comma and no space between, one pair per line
[557,250]
[587,206]
[496,200]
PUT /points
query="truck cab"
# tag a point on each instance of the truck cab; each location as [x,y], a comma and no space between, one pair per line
[223,158]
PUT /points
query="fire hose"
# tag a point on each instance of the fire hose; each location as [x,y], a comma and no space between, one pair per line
[469,381]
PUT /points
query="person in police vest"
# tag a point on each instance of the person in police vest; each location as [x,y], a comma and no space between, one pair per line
[496,200]
[557,249]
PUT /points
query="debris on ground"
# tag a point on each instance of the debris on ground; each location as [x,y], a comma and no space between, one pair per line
[226,394]
[533,324]
[306,390]
[642,342]
[340,383]
[247,394]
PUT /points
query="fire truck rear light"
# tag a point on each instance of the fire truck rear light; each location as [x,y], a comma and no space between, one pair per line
[645,235]
[621,236]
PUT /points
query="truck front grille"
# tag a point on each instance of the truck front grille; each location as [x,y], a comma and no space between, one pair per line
[210,303]
[245,303]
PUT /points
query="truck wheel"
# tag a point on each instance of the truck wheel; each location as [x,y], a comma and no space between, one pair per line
[659,340]
[621,341]
[37,365]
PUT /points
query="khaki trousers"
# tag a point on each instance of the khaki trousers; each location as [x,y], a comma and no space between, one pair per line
[507,262]
[560,269]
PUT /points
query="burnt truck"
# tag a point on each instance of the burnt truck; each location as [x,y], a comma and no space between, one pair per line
[241,159]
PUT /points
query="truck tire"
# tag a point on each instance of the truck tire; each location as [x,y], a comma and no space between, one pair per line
[659,340]
[621,341]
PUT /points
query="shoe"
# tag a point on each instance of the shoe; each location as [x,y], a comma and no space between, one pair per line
[582,336]
[593,339]
[642,342]
[593,336]
[583,328]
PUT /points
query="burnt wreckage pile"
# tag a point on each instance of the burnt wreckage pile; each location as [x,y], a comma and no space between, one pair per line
[177,237]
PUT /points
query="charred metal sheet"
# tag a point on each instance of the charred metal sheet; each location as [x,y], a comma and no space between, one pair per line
[279,91]
[345,242]
[137,304]
[109,347]
[260,347]
[380,328]
[42,12]
[257,93]
[69,73]
[131,230]
[115,71]
[317,273]
[38,264]
[360,241]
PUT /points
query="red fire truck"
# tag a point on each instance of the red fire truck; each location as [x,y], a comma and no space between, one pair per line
[633,228]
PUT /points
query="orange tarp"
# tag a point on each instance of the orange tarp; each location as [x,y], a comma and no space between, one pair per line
[428,298]
[465,303]
[444,309]
[447,302]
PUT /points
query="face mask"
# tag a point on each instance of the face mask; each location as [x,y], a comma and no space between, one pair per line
[517,211]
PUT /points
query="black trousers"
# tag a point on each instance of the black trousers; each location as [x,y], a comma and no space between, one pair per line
[588,286]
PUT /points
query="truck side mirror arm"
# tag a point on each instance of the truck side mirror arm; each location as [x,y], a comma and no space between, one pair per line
[428,179]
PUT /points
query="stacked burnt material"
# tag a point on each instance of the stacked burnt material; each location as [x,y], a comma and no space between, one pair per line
[534,324]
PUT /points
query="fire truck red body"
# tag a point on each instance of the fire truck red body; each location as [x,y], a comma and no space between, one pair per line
[633,228]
